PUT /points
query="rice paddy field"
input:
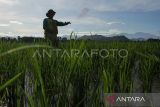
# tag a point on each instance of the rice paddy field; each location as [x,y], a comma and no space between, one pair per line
[39,75]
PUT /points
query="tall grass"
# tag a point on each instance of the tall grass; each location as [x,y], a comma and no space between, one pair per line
[72,81]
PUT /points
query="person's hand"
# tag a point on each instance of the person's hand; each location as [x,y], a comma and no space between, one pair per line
[68,23]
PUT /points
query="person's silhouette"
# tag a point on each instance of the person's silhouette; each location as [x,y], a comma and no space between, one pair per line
[50,27]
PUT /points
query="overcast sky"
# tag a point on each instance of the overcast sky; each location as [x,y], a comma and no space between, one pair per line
[25,17]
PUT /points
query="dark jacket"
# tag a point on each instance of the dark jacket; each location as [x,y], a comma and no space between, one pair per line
[50,25]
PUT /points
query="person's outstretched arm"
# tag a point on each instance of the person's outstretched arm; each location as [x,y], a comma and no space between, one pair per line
[62,23]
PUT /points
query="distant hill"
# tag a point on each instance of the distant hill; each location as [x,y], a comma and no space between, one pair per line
[94,37]
[140,36]
[104,38]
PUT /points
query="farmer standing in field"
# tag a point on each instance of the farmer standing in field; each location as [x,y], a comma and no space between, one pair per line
[50,27]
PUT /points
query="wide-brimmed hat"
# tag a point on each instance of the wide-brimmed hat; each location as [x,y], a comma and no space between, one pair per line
[50,12]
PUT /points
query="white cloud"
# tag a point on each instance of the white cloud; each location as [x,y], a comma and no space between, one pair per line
[7,34]
[8,2]
[16,22]
[112,23]
[114,31]
[4,25]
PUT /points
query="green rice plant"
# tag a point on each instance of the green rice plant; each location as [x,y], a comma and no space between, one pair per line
[148,70]
[73,81]
[10,81]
